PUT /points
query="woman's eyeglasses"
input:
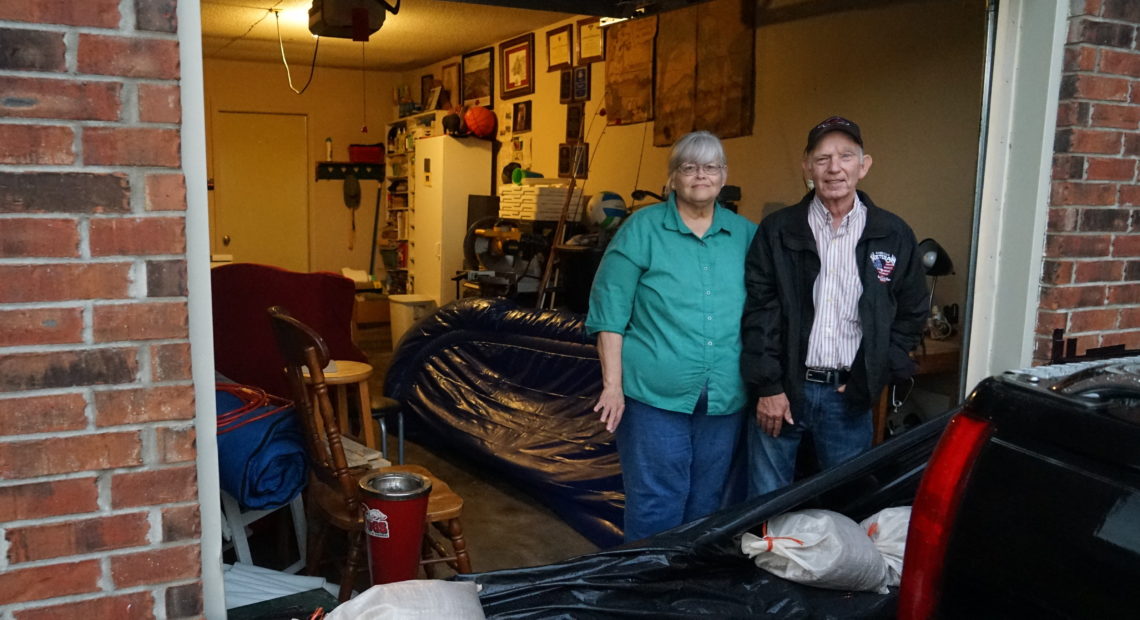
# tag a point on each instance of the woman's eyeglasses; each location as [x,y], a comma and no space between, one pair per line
[707,169]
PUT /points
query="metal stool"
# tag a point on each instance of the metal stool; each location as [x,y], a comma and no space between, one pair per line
[382,407]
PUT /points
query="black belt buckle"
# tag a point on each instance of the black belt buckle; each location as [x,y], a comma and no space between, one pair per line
[830,376]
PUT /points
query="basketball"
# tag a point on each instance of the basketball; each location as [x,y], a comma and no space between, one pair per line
[607,210]
[480,121]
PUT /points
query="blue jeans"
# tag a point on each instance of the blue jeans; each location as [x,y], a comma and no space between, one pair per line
[674,465]
[839,431]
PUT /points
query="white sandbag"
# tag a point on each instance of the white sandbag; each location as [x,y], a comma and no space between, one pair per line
[426,599]
[819,548]
[887,529]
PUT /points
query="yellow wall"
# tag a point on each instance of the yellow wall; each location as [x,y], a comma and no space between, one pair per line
[333,105]
[910,74]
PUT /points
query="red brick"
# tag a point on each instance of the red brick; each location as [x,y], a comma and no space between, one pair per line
[1121,116]
[175,445]
[41,326]
[1057,272]
[64,369]
[133,606]
[1084,30]
[1059,297]
[129,57]
[1129,318]
[42,414]
[168,564]
[39,238]
[165,192]
[1130,340]
[1084,7]
[1074,246]
[1079,58]
[1132,271]
[1092,321]
[152,487]
[1099,271]
[1124,294]
[159,103]
[1073,113]
[1126,10]
[1126,245]
[36,144]
[166,278]
[26,97]
[65,455]
[1069,193]
[1111,219]
[1091,86]
[184,601]
[50,581]
[77,537]
[63,282]
[1131,145]
[181,523]
[156,15]
[140,321]
[133,406]
[1129,195]
[1042,347]
[118,146]
[1120,63]
[96,13]
[1048,321]
[1088,141]
[1111,169]
[140,236]
[48,499]
[1068,167]
[170,362]
[56,192]
[1063,219]
[32,50]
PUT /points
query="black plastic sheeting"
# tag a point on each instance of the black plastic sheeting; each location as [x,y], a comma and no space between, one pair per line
[513,389]
[698,569]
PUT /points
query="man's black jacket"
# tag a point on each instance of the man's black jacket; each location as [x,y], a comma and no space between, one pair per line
[780,271]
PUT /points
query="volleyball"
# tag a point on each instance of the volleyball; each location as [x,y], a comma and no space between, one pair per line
[606,209]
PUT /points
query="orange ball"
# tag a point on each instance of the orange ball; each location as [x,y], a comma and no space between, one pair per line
[480,121]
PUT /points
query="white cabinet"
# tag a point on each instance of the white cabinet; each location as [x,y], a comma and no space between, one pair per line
[447,171]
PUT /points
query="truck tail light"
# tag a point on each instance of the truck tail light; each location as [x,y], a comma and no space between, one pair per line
[932,516]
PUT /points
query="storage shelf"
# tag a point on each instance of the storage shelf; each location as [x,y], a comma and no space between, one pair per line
[341,169]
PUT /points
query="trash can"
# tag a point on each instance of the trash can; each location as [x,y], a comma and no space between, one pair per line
[395,512]
[405,311]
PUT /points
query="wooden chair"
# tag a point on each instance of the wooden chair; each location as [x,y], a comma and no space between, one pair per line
[333,492]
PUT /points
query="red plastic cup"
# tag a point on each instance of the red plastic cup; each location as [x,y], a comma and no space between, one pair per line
[395,512]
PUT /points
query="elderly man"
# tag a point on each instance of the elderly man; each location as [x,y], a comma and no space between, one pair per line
[835,303]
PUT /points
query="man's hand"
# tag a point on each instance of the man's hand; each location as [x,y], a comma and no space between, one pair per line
[772,412]
[612,404]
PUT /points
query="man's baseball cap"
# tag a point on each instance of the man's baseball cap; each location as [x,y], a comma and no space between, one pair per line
[835,123]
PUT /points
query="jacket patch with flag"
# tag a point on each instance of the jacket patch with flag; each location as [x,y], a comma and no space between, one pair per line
[884,263]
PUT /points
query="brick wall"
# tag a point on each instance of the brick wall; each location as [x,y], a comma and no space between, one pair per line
[1090,283]
[98,496]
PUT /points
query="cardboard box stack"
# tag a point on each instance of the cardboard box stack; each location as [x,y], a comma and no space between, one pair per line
[538,201]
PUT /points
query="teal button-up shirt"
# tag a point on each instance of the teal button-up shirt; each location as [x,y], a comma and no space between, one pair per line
[677,300]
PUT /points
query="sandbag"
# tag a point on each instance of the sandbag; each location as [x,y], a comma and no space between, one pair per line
[887,530]
[429,599]
[819,548]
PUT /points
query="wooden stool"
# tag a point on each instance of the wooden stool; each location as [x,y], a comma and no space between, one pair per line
[347,374]
[443,512]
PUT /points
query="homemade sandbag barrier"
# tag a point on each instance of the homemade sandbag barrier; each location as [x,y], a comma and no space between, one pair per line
[513,389]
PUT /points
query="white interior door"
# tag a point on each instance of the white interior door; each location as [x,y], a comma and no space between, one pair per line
[261,198]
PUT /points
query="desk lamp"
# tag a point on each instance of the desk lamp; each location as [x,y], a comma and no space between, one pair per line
[936,262]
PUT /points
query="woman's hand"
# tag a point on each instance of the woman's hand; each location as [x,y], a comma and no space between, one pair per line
[612,404]
[772,412]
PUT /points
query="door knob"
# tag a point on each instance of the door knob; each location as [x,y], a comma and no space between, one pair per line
[225,239]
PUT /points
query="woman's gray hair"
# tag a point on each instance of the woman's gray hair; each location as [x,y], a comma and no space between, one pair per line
[699,147]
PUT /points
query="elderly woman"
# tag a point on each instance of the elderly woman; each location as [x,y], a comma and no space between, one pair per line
[666,306]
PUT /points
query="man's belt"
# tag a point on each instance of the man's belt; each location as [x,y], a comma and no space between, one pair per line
[830,376]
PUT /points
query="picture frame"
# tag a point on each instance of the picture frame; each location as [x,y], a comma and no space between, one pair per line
[566,86]
[433,98]
[559,48]
[449,79]
[591,41]
[516,67]
[575,122]
[426,84]
[580,83]
[566,157]
[521,119]
[476,78]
